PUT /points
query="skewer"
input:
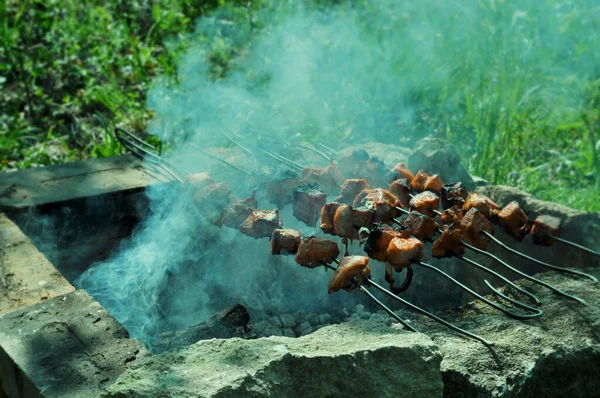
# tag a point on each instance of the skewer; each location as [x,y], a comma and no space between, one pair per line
[284,160]
[542,263]
[331,152]
[537,311]
[210,155]
[568,242]
[315,150]
[243,148]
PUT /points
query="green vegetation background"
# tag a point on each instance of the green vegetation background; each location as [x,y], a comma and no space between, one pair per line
[70,71]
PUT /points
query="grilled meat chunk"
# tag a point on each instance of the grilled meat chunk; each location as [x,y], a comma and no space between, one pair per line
[425,202]
[401,253]
[379,239]
[237,211]
[314,252]
[350,274]
[307,202]
[261,223]
[347,221]
[401,189]
[329,178]
[212,201]
[484,204]
[347,161]
[420,226]
[513,220]
[453,195]
[452,215]
[374,171]
[425,182]
[327,217]
[279,188]
[285,241]
[351,188]
[448,244]
[544,228]
[403,172]
[382,201]
[472,227]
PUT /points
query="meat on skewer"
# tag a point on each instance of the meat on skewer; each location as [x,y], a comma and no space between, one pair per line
[425,182]
[420,226]
[347,162]
[375,171]
[379,238]
[314,252]
[212,200]
[453,195]
[544,228]
[401,189]
[285,241]
[382,201]
[307,202]
[347,221]
[350,274]
[351,188]
[472,227]
[448,244]
[426,203]
[278,188]
[329,178]
[237,211]
[452,215]
[327,217]
[261,223]
[484,204]
[513,220]
[402,171]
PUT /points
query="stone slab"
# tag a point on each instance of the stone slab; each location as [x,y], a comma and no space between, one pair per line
[67,346]
[40,186]
[26,275]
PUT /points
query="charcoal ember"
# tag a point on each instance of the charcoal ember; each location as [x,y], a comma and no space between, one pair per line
[513,220]
[212,201]
[328,178]
[380,236]
[381,201]
[426,203]
[452,215]
[472,227]
[307,202]
[261,223]
[350,274]
[285,241]
[196,181]
[351,188]
[482,203]
[348,161]
[347,221]
[403,172]
[453,195]
[420,226]
[279,188]
[374,171]
[401,189]
[314,252]
[401,253]
[544,228]
[448,244]
[327,217]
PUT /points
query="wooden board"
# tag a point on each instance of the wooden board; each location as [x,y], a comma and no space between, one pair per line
[26,275]
[23,189]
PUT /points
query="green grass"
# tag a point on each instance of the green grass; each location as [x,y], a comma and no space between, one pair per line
[71,71]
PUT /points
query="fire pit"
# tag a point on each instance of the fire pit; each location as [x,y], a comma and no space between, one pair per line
[171,286]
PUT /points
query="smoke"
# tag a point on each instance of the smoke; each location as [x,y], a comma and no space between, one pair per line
[350,73]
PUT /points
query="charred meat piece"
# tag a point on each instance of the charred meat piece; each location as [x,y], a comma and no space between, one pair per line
[425,203]
[472,227]
[347,221]
[420,226]
[329,178]
[452,215]
[434,183]
[402,171]
[448,244]
[401,253]
[285,241]
[424,182]
[453,195]
[261,223]
[212,201]
[379,239]
[347,161]
[279,188]
[350,274]
[327,216]
[375,171]
[237,211]
[197,181]
[513,220]
[484,204]
[307,202]
[351,188]
[544,228]
[314,252]
[381,201]
[401,189]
